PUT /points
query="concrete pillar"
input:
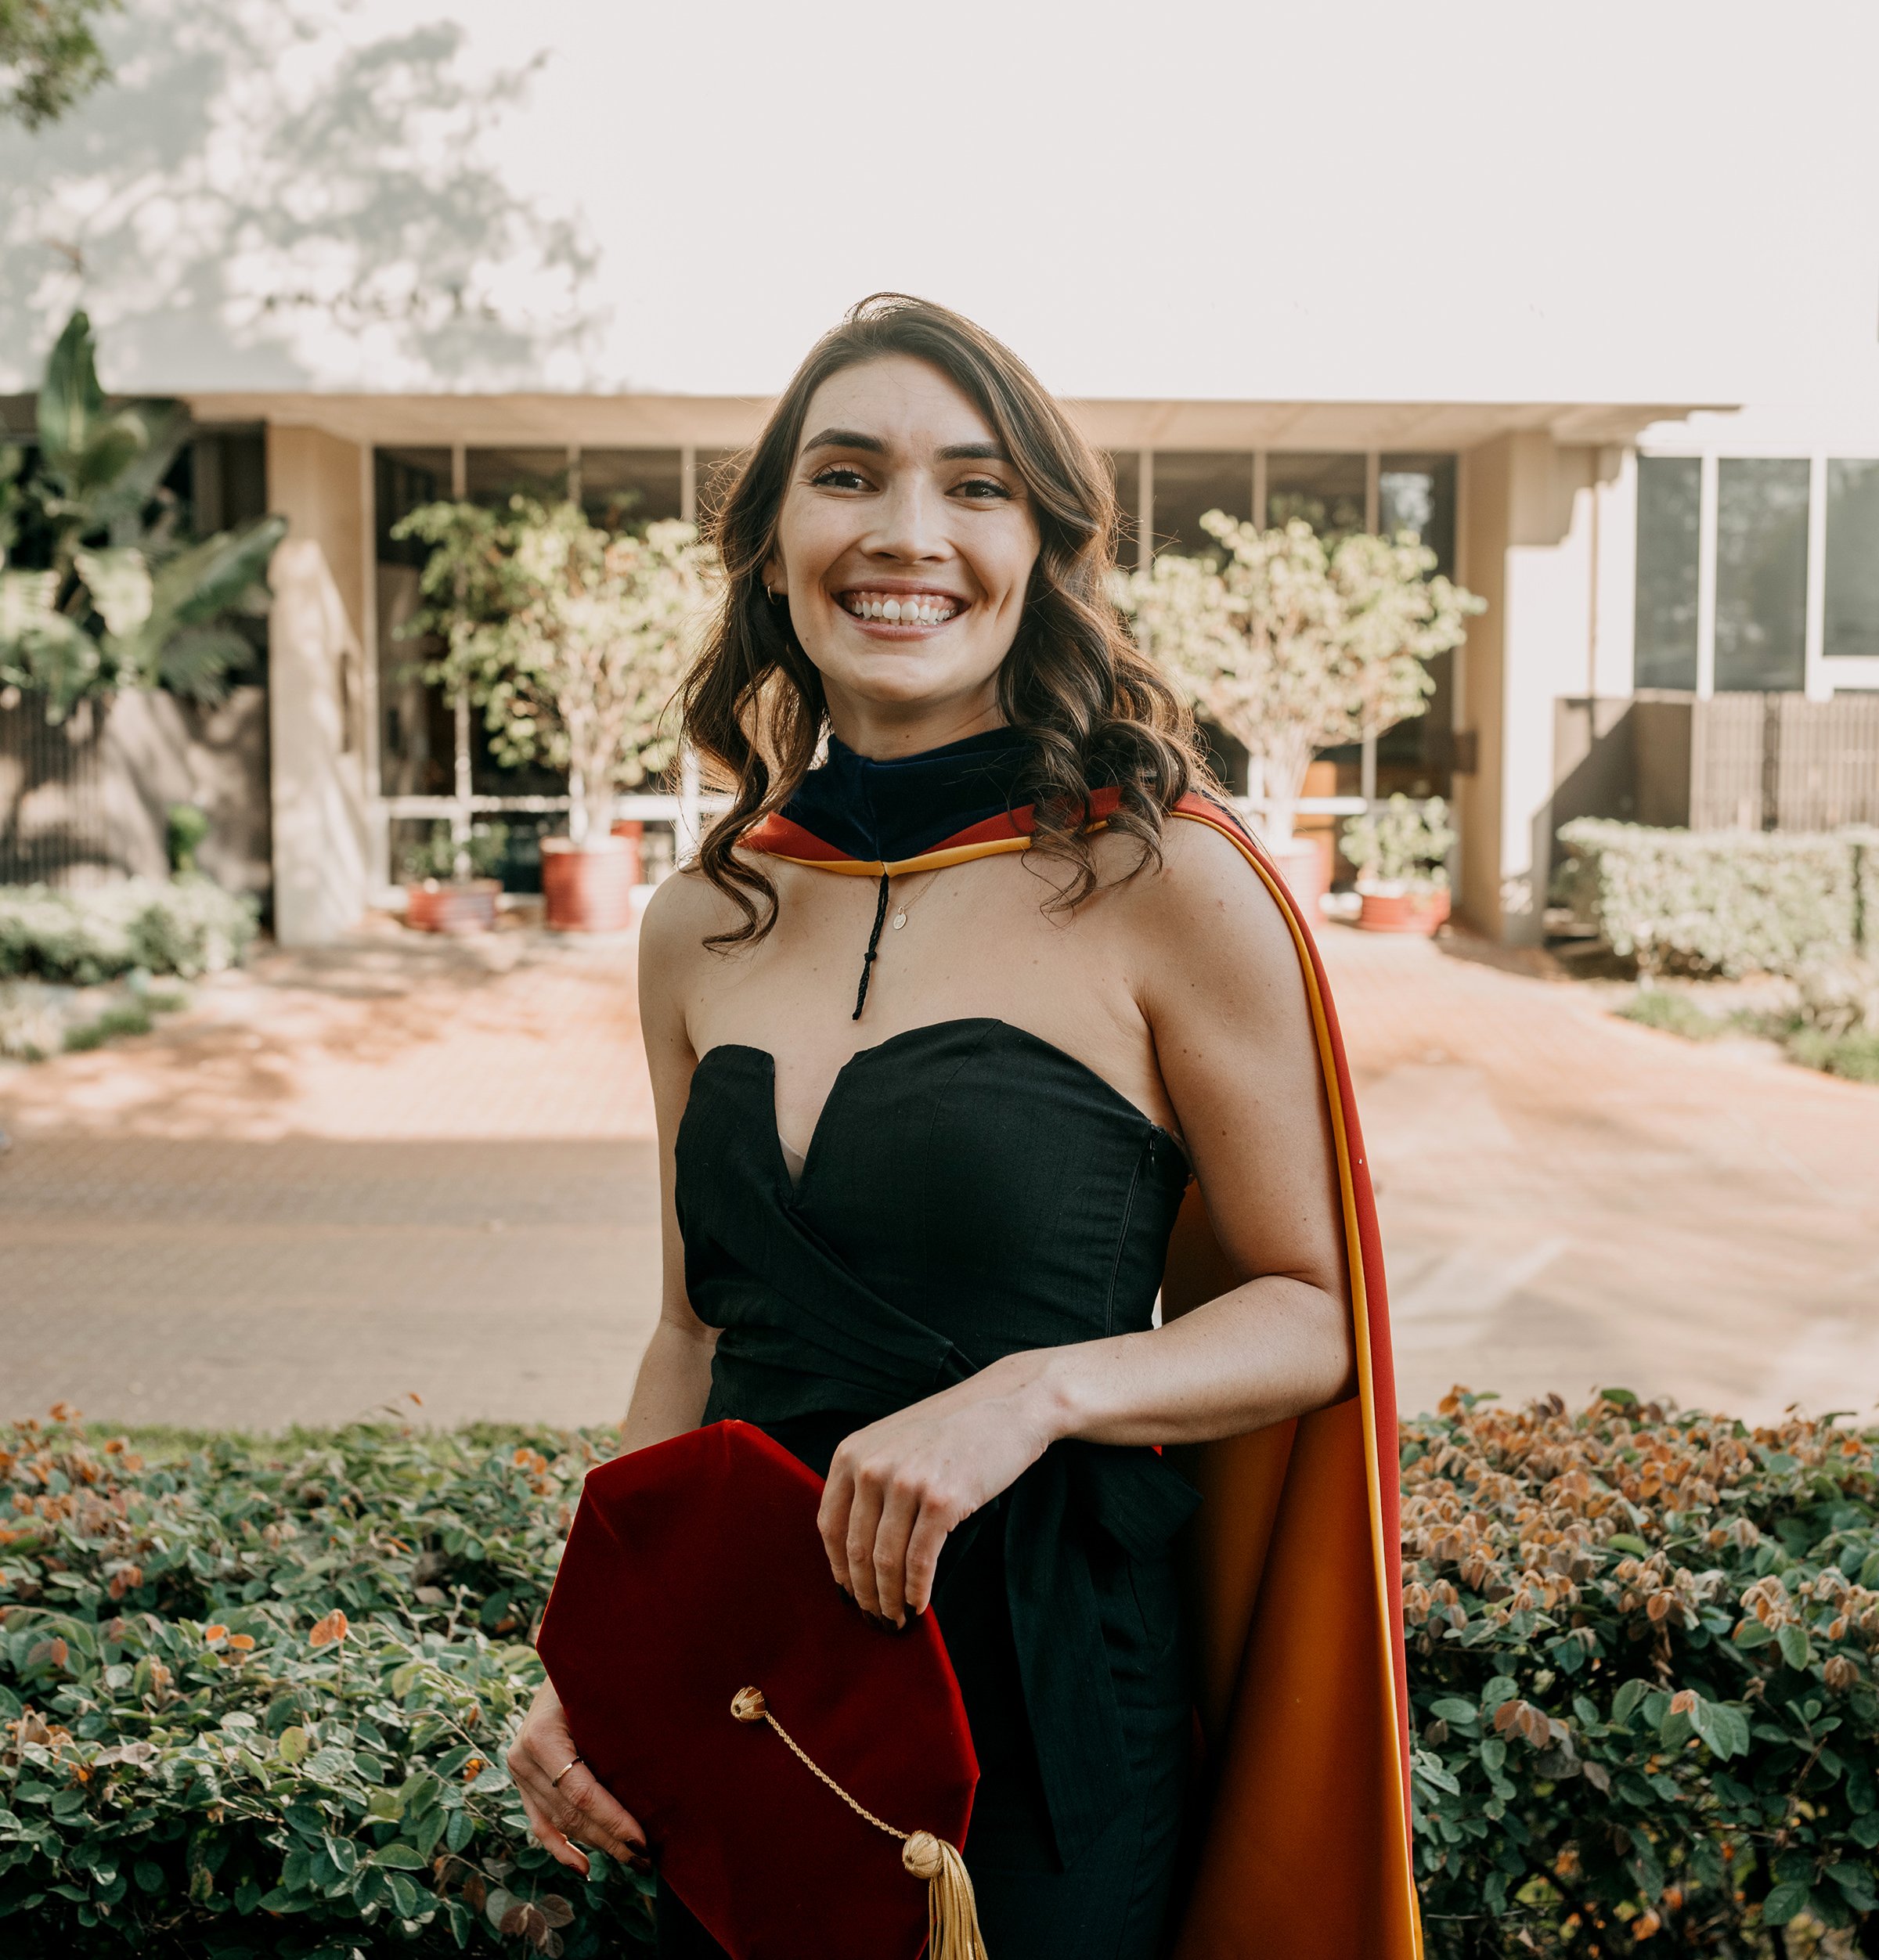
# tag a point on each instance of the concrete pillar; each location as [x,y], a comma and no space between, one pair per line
[1530,555]
[316,688]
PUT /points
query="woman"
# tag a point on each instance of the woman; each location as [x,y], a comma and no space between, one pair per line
[926,1133]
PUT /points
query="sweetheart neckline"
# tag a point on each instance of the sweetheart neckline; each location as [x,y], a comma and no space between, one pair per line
[797,1181]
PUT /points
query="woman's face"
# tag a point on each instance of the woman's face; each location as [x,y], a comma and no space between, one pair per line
[905,544]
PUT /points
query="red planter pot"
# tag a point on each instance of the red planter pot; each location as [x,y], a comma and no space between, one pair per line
[631,831]
[435,907]
[1403,911]
[1305,864]
[588,887]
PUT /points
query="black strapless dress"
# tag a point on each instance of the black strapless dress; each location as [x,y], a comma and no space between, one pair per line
[972,1190]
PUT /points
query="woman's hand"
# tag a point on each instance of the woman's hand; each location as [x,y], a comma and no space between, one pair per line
[577,1811]
[898,1487]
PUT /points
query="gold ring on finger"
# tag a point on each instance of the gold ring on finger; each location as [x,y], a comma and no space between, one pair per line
[554,1782]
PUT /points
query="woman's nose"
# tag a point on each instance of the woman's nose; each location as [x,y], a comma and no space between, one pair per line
[909,523]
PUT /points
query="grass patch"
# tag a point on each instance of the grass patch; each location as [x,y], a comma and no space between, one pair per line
[1854,1056]
[1672,1014]
[133,1018]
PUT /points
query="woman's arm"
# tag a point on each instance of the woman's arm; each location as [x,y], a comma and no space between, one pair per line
[668,1393]
[1238,1054]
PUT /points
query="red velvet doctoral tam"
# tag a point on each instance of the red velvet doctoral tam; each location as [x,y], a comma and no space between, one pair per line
[694,1570]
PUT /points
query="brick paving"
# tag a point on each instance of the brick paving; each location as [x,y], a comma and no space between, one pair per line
[406,1166]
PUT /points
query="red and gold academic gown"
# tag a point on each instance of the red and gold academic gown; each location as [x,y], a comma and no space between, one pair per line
[1303,1694]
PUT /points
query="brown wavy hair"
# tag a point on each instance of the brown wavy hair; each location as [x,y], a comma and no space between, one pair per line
[1098,713]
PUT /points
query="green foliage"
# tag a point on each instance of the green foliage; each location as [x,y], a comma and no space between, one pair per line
[133,1017]
[1672,1014]
[1292,642]
[1728,901]
[1402,845]
[1641,1668]
[1854,1054]
[572,638]
[185,826]
[256,1702]
[187,927]
[485,851]
[50,56]
[124,599]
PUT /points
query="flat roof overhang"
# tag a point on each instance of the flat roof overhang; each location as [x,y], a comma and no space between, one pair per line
[669,421]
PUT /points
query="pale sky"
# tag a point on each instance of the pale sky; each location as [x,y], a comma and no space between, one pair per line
[1617,200]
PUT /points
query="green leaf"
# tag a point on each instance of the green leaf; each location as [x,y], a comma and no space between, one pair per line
[1628,1541]
[1724,1728]
[1782,1903]
[119,582]
[148,1874]
[1751,1634]
[292,1745]
[400,1858]
[1464,1714]
[1624,1704]
[462,1827]
[1503,1688]
[1796,1648]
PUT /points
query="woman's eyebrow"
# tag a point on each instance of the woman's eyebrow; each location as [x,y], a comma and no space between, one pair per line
[845,439]
[974,452]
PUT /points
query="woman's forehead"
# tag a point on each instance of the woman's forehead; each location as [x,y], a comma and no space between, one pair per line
[899,400]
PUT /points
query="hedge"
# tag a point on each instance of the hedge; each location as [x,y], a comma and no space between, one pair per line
[1728,901]
[256,1701]
[188,926]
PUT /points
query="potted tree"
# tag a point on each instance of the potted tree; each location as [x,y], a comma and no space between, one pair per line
[1399,851]
[450,884]
[1292,643]
[572,640]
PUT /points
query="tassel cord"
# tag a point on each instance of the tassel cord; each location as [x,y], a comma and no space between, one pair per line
[952,1911]
[874,950]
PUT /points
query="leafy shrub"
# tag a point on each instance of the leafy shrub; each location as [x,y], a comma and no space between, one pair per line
[257,1701]
[1729,902]
[1854,1054]
[189,926]
[1672,1014]
[487,848]
[1402,845]
[1641,1669]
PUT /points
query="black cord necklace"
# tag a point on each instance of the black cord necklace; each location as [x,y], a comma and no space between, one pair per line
[873,949]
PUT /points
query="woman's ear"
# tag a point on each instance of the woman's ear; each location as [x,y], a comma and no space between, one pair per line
[775,581]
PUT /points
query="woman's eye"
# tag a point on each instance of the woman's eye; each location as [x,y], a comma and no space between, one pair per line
[839,476]
[984,487]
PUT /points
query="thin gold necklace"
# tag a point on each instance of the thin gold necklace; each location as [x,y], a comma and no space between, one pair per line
[905,910]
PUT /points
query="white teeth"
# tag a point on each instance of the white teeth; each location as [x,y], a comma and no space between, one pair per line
[915,609]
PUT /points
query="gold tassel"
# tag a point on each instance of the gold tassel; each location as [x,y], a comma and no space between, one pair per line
[952,1911]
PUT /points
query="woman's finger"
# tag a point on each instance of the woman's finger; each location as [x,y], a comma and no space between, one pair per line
[864,1524]
[890,1561]
[584,1811]
[924,1543]
[551,1840]
[831,1520]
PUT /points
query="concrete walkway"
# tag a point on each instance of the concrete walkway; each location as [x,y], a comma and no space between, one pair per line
[414,1166]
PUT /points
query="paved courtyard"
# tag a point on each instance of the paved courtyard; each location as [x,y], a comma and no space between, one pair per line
[407,1166]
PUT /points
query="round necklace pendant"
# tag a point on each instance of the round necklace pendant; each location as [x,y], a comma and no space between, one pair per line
[898,920]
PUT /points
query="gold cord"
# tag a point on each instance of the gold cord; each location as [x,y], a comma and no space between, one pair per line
[952,1913]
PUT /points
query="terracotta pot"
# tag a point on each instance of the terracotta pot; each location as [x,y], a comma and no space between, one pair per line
[437,905]
[1403,911]
[630,831]
[588,887]
[1305,864]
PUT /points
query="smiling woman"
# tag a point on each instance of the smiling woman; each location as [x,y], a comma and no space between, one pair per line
[978,1225]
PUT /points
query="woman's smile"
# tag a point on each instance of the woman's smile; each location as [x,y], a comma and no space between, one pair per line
[890,611]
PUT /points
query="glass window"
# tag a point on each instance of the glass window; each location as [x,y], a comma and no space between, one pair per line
[493,476]
[1852,559]
[1670,503]
[631,486]
[403,479]
[1760,573]
[1326,489]
[1127,463]
[1417,493]
[1189,483]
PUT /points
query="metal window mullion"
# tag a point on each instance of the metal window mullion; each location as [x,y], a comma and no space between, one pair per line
[1814,676]
[1145,543]
[460,719]
[1373,471]
[1705,576]
[372,763]
[1259,489]
[688,483]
